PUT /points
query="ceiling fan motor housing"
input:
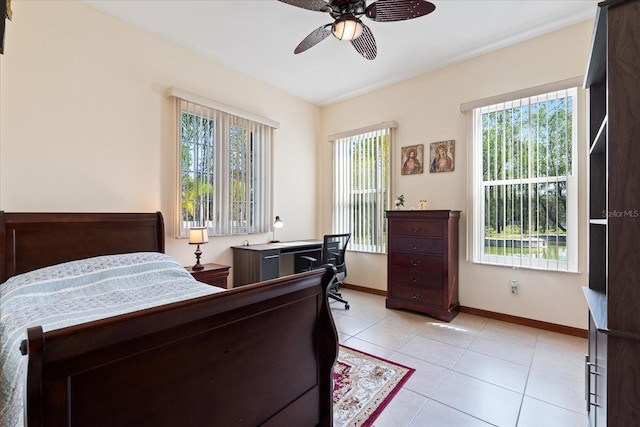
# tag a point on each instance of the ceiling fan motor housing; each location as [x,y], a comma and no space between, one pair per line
[341,7]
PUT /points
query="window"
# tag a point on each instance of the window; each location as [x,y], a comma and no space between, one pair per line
[225,170]
[361,173]
[525,185]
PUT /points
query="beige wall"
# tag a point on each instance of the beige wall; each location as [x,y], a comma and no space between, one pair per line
[86,126]
[427,109]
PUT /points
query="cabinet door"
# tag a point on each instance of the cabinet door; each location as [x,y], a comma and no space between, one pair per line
[591,376]
[601,379]
[596,377]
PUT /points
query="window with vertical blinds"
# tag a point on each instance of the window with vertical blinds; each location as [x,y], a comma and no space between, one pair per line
[525,182]
[225,171]
[361,181]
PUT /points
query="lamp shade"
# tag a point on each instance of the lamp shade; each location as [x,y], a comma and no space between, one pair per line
[347,27]
[278,223]
[198,236]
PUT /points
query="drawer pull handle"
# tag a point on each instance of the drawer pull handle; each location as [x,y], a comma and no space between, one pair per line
[416,230]
[414,263]
[416,246]
[415,296]
[589,365]
[415,279]
[587,383]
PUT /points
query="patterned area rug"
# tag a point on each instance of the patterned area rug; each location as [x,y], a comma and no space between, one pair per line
[363,385]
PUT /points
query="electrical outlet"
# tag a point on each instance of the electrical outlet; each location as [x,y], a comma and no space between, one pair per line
[513,285]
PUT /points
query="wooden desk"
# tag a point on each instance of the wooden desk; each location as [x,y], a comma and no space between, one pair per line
[255,263]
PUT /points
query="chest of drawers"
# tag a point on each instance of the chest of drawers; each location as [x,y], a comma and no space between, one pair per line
[422,262]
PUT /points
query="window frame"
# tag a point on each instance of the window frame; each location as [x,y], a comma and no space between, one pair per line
[478,184]
[230,128]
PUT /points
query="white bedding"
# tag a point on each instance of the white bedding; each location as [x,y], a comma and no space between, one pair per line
[77,292]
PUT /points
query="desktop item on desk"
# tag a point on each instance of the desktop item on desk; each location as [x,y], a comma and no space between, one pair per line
[276,224]
[198,236]
[256,263]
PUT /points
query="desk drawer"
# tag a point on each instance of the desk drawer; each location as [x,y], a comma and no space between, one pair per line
[269,265]
[416,294]
[416,245]
[417,228]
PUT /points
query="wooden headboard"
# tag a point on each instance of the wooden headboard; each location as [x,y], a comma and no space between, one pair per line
[29,241]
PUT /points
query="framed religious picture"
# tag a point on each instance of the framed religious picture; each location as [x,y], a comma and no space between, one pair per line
[412,159]
[442,156]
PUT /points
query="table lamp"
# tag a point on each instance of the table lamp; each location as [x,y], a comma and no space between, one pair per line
[276,224]
[198,236]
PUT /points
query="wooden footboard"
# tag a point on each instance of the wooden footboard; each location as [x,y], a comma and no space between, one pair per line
[262,354]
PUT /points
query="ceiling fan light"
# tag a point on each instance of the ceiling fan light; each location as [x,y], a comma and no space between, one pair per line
[347,27]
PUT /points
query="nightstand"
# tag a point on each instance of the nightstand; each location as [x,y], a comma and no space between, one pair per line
[211,274]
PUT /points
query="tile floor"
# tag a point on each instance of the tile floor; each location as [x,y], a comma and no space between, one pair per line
[473,371]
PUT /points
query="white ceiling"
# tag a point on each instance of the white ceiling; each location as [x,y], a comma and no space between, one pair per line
[257,38]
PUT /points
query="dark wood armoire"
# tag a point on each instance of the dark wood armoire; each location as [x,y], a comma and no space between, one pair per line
[612,368]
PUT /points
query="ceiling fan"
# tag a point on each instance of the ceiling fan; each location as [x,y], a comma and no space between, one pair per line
[348,26]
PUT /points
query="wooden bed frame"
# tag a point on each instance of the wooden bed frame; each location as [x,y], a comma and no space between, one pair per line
[262,354]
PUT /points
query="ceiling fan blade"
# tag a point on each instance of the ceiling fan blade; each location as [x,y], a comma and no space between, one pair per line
[315,5]
[314,38]
[398,10]
[366,44]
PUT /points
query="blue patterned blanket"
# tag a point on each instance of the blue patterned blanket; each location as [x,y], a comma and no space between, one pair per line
[77,292]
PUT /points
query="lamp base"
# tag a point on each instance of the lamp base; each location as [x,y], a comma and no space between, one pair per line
[274,241]
[198,266]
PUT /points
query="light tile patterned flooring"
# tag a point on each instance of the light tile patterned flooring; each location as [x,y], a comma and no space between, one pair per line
[472,371]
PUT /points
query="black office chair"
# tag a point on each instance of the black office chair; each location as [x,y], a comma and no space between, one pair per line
[334,248]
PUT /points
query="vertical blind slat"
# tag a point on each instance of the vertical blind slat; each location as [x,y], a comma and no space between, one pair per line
[360,188]
[228,162]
